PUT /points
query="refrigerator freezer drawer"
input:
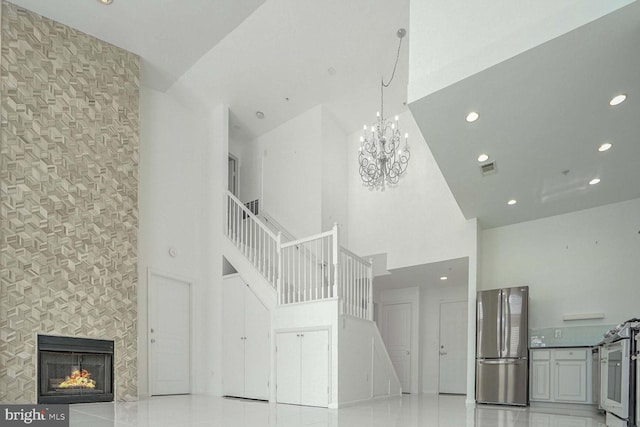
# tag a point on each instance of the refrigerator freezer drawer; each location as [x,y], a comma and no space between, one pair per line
[502,381]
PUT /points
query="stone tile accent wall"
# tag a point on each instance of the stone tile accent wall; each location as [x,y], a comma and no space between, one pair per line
[68,196]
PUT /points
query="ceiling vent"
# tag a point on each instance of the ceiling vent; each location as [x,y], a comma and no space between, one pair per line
[488,168]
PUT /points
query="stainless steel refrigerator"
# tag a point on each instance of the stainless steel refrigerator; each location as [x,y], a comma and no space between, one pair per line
[502,369]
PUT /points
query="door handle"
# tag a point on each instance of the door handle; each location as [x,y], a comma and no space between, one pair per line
[152,340]
[442,353]
[497,362]
[408,353]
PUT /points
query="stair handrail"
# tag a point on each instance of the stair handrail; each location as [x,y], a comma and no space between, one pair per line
[271,220]
[252,215]
[254,239]
[352,281]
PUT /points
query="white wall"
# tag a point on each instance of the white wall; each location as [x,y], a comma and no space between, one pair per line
[284,169]
[454,39]
[334,176]
[182,171]
[416,222]
[581,262]
[431,296]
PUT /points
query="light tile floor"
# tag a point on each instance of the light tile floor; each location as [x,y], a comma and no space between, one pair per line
[405,411]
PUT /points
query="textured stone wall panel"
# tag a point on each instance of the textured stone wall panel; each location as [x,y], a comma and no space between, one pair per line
[68,196]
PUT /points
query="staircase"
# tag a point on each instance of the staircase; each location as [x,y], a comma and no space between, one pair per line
[310,283]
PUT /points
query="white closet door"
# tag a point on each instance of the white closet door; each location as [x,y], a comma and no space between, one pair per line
[288,367]
[170,333]
[233,336]
[315,368]
[256,348]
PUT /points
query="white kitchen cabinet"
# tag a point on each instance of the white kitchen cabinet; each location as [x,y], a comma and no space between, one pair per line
[246,343]
[302,368]
[540,375]
[560,375]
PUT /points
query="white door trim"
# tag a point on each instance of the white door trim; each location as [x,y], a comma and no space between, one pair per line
[151,272]
[411,296]
[236,159]
[445,301]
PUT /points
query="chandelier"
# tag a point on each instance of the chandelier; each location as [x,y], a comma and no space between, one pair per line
[382,158]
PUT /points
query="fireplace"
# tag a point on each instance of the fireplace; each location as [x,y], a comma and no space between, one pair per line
[74,370]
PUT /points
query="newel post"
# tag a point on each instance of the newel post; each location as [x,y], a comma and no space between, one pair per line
[336,246]
[278,266]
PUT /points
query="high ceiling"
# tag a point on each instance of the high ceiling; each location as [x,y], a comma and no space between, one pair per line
[543,115]
[280,57]
[169,35]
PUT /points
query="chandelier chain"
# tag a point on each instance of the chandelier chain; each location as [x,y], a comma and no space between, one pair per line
[393,74]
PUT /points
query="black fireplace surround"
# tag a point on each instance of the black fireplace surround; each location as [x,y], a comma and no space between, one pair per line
[74,370]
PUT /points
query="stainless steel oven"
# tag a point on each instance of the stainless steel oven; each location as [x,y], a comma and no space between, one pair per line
[614,378]
[618,379]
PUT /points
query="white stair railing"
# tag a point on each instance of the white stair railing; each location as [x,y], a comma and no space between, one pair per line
[356,285]
[301,270]
[259,244]
[306,269]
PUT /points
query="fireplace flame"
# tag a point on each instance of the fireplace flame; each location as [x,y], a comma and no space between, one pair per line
[78,379]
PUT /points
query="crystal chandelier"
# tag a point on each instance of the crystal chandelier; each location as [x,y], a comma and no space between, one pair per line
[382,159]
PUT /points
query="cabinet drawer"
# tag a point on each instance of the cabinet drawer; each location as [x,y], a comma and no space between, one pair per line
[540,355]
[573,354]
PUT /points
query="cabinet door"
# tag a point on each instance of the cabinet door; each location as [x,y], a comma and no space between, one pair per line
[256,348]
[571,380]
[315,368]
[288,367]
[233,336]
[540,380]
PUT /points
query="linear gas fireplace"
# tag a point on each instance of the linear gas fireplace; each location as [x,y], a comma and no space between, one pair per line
[74,370]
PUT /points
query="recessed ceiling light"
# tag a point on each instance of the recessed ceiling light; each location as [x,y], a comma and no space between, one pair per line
[483,158]
[594,181]
[443,278]
[512,202]
[472,117]
[604,147]
[260,115]
[107,2]
[618,99]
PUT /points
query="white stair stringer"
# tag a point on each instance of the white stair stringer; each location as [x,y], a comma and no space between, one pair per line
[256,281]
[365,368]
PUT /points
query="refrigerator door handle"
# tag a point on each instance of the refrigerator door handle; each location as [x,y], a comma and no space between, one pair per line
[506,325]
[500,325]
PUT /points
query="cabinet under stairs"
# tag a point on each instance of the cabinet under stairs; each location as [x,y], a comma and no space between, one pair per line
[310,288]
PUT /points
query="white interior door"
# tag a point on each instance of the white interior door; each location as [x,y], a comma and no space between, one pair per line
[256,348]
[233,334]
[288,367]
[169,335]
[315,368]
[396,333]
[453,347]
